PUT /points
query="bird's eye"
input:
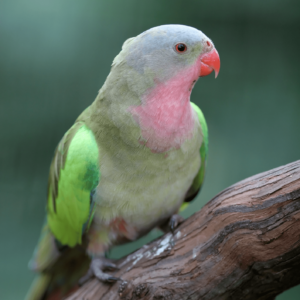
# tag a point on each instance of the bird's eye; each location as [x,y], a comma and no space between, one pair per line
[181,47]
[208,43]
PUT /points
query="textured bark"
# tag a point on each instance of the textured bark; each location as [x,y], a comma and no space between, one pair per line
[243,244]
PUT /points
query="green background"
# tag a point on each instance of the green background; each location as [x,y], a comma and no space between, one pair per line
[55,55]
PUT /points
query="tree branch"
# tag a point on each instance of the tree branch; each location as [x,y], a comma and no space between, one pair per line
[243,244]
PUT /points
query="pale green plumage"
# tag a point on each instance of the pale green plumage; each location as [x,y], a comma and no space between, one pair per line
[45,253]
[38,287]
[136,184]
[198,181]
[72,202]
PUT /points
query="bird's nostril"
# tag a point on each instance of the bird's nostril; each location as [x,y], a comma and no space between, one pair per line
[208,43]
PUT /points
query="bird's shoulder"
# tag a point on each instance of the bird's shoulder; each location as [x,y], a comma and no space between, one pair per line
[198,180]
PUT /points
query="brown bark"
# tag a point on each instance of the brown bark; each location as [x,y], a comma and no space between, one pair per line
[243,244]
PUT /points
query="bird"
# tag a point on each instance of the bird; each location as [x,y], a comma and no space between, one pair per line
[132,160]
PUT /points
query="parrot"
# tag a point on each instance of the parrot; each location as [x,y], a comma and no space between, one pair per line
[131,162]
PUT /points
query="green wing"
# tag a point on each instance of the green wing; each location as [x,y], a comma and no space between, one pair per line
[198,180]
[74,174]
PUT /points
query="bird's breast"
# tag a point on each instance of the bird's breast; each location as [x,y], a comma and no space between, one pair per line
[165,115]
[141,187]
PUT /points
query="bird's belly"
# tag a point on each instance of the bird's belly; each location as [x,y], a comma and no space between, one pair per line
[141,195]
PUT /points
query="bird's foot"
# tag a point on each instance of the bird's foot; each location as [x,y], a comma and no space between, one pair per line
[97,267]
[175,220]
[172,223]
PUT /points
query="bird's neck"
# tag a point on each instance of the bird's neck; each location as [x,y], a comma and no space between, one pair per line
[161,118]
[165,115]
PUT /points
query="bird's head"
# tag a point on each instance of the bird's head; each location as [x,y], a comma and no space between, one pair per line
[168,51]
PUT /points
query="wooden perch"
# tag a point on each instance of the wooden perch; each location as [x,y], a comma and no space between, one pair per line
[243,244]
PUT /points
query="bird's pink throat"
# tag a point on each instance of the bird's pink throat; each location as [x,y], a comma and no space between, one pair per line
[165,115]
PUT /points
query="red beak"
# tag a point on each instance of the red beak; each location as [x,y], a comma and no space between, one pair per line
[210,62]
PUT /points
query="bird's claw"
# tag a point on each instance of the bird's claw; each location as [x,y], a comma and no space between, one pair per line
[109,266]
[175,220]
[97,266]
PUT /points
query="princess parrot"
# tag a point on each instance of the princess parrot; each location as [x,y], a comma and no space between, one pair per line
[131,159]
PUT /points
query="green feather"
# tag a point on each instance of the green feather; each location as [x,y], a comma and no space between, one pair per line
[198,180]
[79,174]
[38,287]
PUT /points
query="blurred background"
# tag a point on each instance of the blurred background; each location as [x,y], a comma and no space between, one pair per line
[55,56]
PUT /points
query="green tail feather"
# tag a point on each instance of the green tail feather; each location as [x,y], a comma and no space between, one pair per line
[62,276]
[38,287]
